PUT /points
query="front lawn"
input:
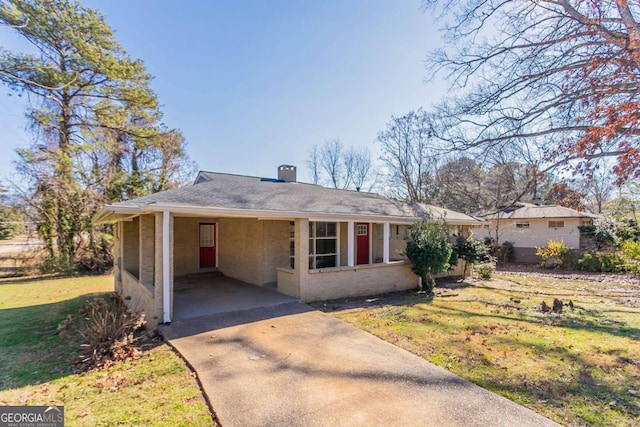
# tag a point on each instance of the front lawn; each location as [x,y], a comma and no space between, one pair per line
[156,389]
[581,367]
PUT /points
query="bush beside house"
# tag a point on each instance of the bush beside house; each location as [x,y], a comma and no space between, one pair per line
[429,251]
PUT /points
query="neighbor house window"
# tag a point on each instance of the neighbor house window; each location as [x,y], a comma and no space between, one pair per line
[323,245]
[522,225]
[556,224]
[292,244]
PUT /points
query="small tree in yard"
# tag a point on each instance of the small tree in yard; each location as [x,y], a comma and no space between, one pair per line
[471,251]
[429,251]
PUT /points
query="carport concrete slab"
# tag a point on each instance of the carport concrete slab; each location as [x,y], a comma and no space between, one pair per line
[210,294]
[290,365]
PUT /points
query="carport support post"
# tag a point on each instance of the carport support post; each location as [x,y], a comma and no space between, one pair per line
[386,235]
[166,267]
[350,243]
[301,234]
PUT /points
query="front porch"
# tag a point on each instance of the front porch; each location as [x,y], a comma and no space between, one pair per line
[159,260]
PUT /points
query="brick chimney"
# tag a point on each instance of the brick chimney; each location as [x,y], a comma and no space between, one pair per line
[287,173]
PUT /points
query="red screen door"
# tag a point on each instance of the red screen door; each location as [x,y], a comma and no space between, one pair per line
[362,243]
[207,245]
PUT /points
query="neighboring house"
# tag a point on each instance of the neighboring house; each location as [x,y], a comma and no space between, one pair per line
[528,226]
[310,242]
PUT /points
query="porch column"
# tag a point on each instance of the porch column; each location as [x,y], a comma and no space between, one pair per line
[301,270]
[166,267]
[147,250]
[386,235]
[350,243]
[301,235]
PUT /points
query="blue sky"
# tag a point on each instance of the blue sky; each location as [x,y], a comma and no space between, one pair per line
[255,84]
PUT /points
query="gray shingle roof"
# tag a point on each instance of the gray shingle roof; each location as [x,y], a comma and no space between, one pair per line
[220,190]
[530,211]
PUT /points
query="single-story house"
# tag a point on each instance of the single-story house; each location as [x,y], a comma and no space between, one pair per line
[307,241]
[529,225]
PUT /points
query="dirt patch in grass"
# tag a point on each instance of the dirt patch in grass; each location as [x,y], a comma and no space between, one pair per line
[533,270]
[155,389]
[580,367]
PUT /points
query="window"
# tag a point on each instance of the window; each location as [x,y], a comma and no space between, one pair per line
[401,231]
[361,230]
[292,244]
[323,245]
[522,225]
[586,222]
[556,224]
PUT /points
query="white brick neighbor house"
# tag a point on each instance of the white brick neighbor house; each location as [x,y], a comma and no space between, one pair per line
[528,226]
[307,241]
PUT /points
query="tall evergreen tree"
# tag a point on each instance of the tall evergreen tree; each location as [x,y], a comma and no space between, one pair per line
[97,128]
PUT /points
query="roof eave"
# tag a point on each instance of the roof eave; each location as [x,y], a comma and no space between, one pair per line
[115,213]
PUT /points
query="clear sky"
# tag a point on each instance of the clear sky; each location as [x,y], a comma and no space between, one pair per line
[255,84]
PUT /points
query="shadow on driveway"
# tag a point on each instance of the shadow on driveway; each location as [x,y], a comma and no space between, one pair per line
[290,365]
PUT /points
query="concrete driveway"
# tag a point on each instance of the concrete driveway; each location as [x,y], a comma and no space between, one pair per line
[290,365]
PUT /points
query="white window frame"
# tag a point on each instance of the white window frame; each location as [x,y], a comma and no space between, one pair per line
[523,225]
[556,224]
[313,237]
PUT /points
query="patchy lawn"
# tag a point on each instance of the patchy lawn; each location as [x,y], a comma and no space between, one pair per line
[581,367]
[157,389]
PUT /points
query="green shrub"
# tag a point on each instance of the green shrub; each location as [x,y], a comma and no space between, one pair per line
[485,270]
[631,255]
[470,250]
[602,262]
[631,250]
[588,262]
[506,253]
[429,251]
[503,253]
[554,255]
[607,232]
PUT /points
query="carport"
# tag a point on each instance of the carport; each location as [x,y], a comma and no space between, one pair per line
[213,293]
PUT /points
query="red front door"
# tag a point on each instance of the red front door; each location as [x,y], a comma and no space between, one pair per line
[207,245]
[362,243]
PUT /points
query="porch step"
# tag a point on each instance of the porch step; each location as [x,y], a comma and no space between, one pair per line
[212,273]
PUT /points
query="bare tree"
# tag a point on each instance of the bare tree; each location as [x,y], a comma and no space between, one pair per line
[313,163]
[339,167]
[410,154]
[362,169]
[459,186]
[598,186]
[331,162]
[559,74]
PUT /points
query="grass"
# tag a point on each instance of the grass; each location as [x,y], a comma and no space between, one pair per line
[157,389]
[576,368]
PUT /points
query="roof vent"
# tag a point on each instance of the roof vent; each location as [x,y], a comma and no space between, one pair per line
[287,173]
